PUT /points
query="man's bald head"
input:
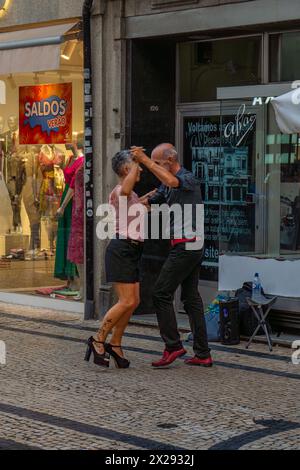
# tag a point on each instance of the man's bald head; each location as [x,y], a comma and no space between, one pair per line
[166,156]
[160,150]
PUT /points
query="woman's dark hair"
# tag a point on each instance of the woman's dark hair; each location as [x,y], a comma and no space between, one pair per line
[119,160]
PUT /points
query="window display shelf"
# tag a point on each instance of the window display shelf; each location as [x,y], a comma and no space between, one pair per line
[13,241]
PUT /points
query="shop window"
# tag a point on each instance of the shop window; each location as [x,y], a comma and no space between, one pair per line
[38,128]
[284,51]
[238,216]
[260,212]
[283,190]
[204,66]
[250,181]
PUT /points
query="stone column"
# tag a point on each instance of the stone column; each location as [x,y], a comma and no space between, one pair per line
[108,75]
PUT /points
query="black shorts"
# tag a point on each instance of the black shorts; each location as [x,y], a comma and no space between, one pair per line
[122,261]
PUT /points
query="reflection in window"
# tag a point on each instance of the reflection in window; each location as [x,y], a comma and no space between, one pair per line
[238,214]
[32,159]
[284,51]
[204,66]
[282,161]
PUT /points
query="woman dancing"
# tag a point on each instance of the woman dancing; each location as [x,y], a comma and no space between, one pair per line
[122,267]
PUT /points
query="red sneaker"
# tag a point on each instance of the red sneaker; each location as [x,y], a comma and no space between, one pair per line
[169,357]
[197,361]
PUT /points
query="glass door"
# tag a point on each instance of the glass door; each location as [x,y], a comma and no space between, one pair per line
[198,138]
[223,143]
[242,179]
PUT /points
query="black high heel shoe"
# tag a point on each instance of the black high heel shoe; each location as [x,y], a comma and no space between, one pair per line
[99,359]
[120,362]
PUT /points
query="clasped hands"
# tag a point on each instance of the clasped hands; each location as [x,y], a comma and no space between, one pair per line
[138,153]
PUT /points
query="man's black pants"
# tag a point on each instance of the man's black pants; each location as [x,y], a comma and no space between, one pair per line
[181,268]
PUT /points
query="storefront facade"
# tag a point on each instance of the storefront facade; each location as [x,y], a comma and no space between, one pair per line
[202,78]
[219,66]
[31,38]
[41,116]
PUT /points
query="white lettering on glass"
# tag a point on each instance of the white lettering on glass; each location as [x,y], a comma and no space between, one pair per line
[240,128]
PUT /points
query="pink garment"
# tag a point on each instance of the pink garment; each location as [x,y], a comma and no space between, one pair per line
[124,222]
[71,169]
[76,240]
[49,290]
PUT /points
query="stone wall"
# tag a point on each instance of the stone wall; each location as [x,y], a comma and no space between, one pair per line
[144,7]
[108,50]
[23,12]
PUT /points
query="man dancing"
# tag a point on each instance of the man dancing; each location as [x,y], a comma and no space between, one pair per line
[179,186]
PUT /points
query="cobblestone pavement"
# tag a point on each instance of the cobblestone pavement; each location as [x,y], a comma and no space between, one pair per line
[51,399]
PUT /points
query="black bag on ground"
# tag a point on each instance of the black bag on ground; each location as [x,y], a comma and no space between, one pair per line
[248,320]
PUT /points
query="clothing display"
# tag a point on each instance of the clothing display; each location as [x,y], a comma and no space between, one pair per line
[6,213]
[15,181]
[14,173]
[65,269]
[51,226]
[10,140]
[30,194]
[51,190]
[6,209]
[42,123]
[52,185]
[13,169]
[76,241]
[47,291]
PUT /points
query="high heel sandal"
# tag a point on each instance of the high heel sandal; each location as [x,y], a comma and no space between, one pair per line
[99,359]
[120,362]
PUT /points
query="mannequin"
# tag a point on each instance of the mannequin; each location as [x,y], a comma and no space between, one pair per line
[12,135]
[6,209]
[76,240]
[51,189]
[30,193]
[64,268]
[15,172]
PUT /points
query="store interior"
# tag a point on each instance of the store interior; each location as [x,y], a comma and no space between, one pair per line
[32,184]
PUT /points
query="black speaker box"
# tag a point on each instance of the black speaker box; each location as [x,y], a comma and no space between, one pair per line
[229,321]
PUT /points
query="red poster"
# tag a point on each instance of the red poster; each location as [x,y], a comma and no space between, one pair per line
[46,114]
